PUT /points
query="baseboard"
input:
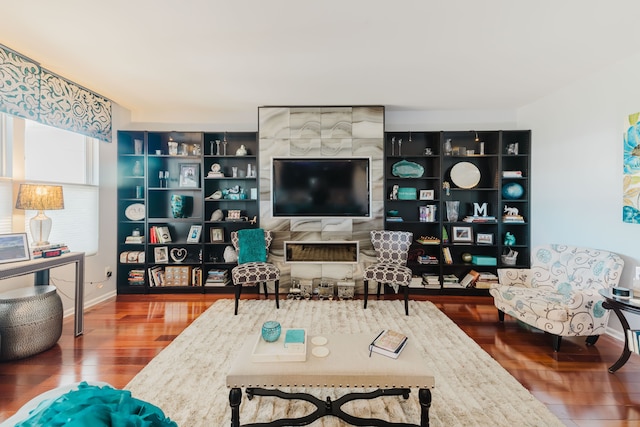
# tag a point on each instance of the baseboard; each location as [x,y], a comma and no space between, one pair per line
[614,333]
[91,302]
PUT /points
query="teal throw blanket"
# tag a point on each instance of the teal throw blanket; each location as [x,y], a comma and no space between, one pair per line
[251,245]
[96,407]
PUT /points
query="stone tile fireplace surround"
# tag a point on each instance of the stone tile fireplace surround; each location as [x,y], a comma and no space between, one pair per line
[340,132]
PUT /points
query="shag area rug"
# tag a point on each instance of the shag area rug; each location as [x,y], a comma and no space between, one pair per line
[187,379]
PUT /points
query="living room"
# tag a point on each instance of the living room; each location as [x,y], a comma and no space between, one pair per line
[577,119]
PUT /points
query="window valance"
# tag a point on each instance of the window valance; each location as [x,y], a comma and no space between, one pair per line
[27,90]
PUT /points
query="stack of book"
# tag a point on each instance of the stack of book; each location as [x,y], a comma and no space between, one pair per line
[136,277]
[512,174]
[512,218]
[47,251]
[394,219]
[427,259]
[388,343]
[485,280]
[134,239]
[431,281]
[217,277]
[478,218]
[451,281]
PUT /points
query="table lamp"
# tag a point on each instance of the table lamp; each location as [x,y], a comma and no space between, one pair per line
[40,197]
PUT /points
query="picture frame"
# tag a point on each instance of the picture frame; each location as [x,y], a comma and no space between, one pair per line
[194,234]
[484,239]
[427,195]
[216,234]
[189,175]
[14,247]
[462,234]
[161,255]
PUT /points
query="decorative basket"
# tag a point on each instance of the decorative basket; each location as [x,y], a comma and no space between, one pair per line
[509,258]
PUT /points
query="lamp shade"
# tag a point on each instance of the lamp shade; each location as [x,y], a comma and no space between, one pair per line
[40,197]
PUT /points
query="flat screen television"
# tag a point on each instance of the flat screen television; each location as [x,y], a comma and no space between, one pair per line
[321,187]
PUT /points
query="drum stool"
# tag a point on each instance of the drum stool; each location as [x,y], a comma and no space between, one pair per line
[30,321]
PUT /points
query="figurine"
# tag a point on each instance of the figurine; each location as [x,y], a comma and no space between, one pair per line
[242,151]
[511,211]
[509,239]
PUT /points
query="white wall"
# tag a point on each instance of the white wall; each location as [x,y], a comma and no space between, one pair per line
[576,186]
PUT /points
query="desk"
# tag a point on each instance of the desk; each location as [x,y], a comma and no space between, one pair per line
[349,364]
[618,306]
[22,268]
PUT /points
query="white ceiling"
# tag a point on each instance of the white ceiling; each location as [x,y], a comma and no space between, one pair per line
[170,60]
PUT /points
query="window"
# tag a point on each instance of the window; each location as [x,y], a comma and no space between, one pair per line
[57,156]
[54,156]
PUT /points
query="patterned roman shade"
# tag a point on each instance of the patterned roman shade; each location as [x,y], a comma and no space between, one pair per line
[32,92]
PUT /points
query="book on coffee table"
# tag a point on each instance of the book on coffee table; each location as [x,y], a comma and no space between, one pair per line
[388,343]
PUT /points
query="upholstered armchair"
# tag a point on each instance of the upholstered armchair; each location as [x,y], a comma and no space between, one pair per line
[559,293]
[253,269]
[392,251]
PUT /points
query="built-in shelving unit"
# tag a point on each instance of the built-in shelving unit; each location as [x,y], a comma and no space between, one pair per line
[487,173]
[167,238]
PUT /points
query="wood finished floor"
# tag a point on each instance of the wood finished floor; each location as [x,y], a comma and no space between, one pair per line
[123,334]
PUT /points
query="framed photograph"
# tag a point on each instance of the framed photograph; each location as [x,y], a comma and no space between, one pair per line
[161,255]
[462,235]
[484,239]
[14,247]
[217,234]
[427,195]
[194,234]
[189,175]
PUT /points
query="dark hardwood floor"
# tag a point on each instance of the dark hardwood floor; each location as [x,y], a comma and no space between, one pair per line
[123,334]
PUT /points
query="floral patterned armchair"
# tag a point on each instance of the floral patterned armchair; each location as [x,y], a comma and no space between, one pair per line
[559,293]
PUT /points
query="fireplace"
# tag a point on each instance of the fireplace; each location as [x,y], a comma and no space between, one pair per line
[321,252]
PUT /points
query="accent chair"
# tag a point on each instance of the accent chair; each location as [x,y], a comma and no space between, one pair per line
[253,269]
[559,293]
[392,251]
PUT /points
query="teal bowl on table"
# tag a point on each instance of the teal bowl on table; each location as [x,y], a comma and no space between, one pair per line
[271,331]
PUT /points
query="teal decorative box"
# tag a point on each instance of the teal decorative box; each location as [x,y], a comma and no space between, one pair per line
[484,260]
[407,193]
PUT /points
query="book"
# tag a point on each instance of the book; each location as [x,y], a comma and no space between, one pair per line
[388,343]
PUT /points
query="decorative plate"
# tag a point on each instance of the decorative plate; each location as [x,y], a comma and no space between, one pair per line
[406,169]
[215,167]
[465,175]
[135,212]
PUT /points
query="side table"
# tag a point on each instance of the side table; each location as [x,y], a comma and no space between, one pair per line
[619,306]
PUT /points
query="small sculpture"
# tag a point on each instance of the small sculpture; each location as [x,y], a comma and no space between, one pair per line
[394,193]
[242,151]
[509,239]
[511,211]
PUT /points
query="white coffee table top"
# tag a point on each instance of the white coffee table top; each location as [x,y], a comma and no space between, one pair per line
[347,365]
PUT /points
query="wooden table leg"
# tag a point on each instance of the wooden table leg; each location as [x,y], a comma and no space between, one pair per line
[424,397]
[235,397]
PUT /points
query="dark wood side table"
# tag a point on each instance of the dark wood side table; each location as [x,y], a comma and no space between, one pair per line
[619,306]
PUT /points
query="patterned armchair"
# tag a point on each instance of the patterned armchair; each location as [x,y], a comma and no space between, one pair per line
[392,251]
[559,293]
[254,273]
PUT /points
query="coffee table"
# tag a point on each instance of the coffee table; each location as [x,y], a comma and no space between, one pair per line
[349,364]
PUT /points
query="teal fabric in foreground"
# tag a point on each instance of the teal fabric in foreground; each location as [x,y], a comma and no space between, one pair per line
[96,407]
[251,245]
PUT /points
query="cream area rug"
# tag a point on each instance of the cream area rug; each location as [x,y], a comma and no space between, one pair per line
[187,379]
